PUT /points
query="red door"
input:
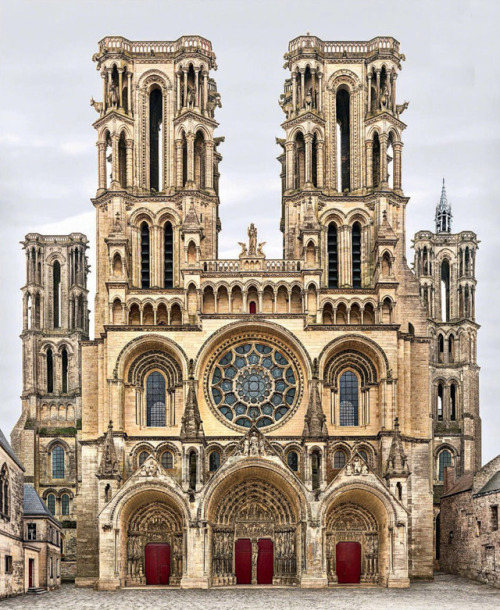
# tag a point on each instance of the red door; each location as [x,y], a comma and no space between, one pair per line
[265,562]
[31,568]
[157,560]
[243,561]
[348,559]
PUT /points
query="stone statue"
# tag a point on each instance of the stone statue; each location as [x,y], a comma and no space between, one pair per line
[384,98]
[243,249]
[190,98]
[309,99]
[113,95]
[259,248]
[400,108]
[252,240]
[97,106]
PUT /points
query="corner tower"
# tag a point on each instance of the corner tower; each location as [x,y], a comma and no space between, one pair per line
[445,264]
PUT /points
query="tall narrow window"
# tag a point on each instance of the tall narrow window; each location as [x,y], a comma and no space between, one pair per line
[376,161]
[293,461]
[343,140]
[214,461]
[356,255]
[155,139]
[145,264]
[56,293]
[51,504]
[58,462]
[50,372]
[440,402]
[64,371]
[143,456]
[441,348]
[348,399]
[155,392]
[315,469]
[167,460]
[339,460]
[192,470]
[445,291]
[443,462]
[300,161]
[168,255]
[122,160]
[453,402]
[333,260]
[65,505]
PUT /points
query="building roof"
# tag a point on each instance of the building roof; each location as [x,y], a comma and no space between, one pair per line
[34,506]
[464,483]
[4,444]
[491,486]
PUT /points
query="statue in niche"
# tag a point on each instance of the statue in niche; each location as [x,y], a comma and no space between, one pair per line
[190,97]
[309,99]
[252,240]
[113,95]
[384,98]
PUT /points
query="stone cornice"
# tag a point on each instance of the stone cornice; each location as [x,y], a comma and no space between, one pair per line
[113,114]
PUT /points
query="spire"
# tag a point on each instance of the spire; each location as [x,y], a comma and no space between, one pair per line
[109,461]
[315,420]
[443,213]
[191,221]
[191,425]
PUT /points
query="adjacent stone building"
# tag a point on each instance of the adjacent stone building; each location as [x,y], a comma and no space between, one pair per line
[30,538]
[469,537]
[246,420]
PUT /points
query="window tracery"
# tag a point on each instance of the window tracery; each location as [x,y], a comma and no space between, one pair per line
[254,383]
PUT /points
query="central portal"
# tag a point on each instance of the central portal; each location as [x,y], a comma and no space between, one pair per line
[265,563]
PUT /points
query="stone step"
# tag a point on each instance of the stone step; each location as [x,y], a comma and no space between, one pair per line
[36,591]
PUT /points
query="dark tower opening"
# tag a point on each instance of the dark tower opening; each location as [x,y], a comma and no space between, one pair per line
[376,161]
[50,372]
[168,256]
[155,124]
[64,366]
[356,255]
[445,291]
[56,293]
[333,261]
[145,268]
[344,135]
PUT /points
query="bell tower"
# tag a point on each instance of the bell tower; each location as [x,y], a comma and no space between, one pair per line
[157,167]
[445,265]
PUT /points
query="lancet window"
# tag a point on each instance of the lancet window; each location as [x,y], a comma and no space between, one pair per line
[356,255]
[145,256]
[155,400]
[155,139]
[58,462]
[168,245]
[333,261]
[56,294]
[348,388]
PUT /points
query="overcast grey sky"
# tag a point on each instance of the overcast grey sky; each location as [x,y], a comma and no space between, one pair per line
[48,157]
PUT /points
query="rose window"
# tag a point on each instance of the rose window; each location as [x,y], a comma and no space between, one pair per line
[253,383]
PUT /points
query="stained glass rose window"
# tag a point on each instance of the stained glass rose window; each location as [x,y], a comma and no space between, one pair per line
[253,383]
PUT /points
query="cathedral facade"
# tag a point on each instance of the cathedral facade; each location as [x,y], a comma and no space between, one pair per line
[255,420]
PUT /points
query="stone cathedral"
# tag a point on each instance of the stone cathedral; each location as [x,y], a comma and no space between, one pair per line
[249,421]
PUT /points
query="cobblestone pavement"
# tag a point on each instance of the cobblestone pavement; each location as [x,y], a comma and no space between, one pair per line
[445,592]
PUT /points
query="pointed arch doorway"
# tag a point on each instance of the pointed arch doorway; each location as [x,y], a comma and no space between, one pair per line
[157,563]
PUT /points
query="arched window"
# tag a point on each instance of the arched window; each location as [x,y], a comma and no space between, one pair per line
[192,470]
[145,264]
[51,504]
[155,140]
[214,461]
[440,393]
[50,371]
[168,236]
[451,348]
[292,460]
[199,160]
[58,462]
[399,491]
[364,455]
[122,161]
[143,456]
[356,255]
[333,260]
[315,469]
[348,399]
[65,504]
[56,294]
[4,491]
[343,141]
[441,348]
[445,291]
[252,307]
[155,400]
[300,161]
[64,370]
[167,460]
[107,493]
[453,402]
[339,459]
[443,461]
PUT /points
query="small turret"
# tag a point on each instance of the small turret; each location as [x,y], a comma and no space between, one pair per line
[443,213]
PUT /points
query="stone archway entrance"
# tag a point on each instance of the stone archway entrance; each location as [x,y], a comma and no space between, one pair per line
[352,545]
[254,535]
[154,545]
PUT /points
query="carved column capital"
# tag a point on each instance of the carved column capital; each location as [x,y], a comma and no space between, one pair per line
[289,145]
[179,143]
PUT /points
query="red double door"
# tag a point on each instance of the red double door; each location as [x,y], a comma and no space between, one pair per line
[243,561]
[157,563]
[348,562]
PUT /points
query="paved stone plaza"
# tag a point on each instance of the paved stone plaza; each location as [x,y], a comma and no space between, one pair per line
[445,592]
